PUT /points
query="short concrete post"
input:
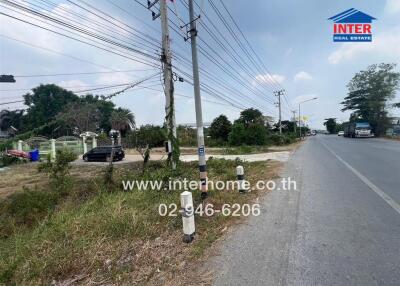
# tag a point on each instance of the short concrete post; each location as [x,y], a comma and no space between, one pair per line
[187,216]
[119,139]
[20,145]
[94,142]
[84,144]
[53,148]
[240,178]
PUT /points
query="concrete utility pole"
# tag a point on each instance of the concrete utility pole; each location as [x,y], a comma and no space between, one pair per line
[294,121]
[299,122]
[173,148]
[197,101]
[300,113]
[278,94]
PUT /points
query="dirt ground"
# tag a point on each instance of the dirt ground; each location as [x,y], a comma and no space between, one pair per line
[16,177]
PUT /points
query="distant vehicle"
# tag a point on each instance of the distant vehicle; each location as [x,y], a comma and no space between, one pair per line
[357,130]
[104,154]
[340,133]
[313,132]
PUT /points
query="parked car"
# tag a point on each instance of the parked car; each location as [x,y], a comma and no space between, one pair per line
[340,133]
[103,153]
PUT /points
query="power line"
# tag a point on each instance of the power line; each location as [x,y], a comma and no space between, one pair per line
[56,52]
[114,19]
[84,21]
[75,28]
[80,73]
[73,38]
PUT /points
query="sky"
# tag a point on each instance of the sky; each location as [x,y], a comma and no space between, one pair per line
[293,39]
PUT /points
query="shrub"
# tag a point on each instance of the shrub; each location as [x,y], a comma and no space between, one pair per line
[220,128]
[147,135]
[8,160]
[25,208]
[59,169]
[280,139]
[253,134]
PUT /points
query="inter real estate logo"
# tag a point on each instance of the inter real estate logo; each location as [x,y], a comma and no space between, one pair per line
[352,26]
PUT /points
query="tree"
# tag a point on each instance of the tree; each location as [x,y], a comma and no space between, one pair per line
[251,116]
[44,103]
[147,135]
[122,120]
[339,127]
[287,126]
[220,128]
[369,94]
[249,129]
[238,134]
[10,118]
[330,124]
[105,108]
[85,116]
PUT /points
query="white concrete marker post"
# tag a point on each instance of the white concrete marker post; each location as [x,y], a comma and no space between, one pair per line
[20,145]
[53,149]
[94,142]
[187,216]
[240,178]
[84,144]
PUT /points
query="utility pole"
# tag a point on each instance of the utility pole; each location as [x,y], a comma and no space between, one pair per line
[172,146]
[299,122]
[197,101]
[278,94]
[314,98]
[294,121]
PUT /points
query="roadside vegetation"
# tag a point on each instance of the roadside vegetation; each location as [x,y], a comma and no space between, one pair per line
[62,224]
[48,114]
[370,97]
[93,233]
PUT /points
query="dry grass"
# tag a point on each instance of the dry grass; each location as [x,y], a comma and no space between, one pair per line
[118,238]
[17,177]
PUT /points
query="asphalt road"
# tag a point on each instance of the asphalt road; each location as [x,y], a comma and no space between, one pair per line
[340,227]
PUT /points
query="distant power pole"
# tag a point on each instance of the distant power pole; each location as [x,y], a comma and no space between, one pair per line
[173,148]
[278,94]
[294,121]
[197,101]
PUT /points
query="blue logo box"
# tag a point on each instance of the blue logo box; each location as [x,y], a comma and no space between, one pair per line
[352,37]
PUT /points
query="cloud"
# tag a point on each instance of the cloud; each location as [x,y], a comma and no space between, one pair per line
[114,78]
[302,76]
[387,44]
[392,6]
[74,84]
[268,79]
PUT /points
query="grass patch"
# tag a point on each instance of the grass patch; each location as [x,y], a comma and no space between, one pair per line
[93,234]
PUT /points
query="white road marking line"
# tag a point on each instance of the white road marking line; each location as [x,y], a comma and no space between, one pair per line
[377,190]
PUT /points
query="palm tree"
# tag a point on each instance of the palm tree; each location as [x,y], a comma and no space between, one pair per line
[122,120]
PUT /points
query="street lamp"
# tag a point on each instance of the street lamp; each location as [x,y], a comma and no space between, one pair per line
[300,113]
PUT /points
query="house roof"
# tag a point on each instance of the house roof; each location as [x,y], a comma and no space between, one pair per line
[352,16]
